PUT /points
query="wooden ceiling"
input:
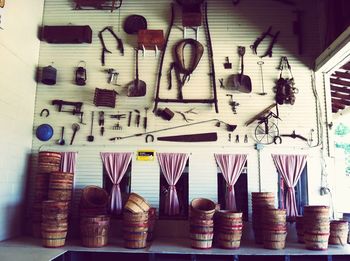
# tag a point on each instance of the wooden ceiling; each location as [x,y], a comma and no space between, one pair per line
[340,88]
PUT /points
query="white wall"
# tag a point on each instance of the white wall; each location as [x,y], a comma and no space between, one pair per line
[19,50]
[230,26]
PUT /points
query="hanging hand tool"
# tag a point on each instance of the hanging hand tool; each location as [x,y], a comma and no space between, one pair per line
[101,122]
[260,63]
[129,118]
[246,138]
[229,137]
[113,76]
[294,136]
[229,127]
[76,128]
[149,138]
[145,119]
[227,64]
[233,103]
[120,45]
[117,127]
[118,116]
[257,42]
[221,81]
[137,119]
[76,108]
[201,137]
[61,141]
[237,138]
[91,138]
[239,81]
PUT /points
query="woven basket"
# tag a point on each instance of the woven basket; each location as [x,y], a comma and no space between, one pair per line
[136,204]
[94,197]
[202,208]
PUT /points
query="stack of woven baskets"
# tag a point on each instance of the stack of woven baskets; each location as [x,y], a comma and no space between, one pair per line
[135,222]
[201,223]
[48,162]
[316,227]
[274,228]
[228,229]
[94,221]
[54,224]
[260,201]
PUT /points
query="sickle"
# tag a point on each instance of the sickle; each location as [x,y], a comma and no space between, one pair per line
[179,55]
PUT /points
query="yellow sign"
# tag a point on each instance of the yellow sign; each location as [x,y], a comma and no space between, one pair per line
[145,155]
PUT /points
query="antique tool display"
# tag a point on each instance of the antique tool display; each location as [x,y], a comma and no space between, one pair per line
[76,108]
[91,137]
[134,23]
[285,90]
[260,63]
[61,141]
[104,97]
[266,131]
[258,41]
[240,82]
[201,137]
[230,127]
[75,128]
[137,87]
[120,45]
[213,100]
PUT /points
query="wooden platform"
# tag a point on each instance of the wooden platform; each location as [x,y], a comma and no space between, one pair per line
[29,249]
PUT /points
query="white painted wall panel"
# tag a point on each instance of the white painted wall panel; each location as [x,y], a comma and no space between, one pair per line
[230,26]
[19,53]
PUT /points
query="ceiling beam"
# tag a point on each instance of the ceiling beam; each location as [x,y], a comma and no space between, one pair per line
[340,95]
[340,101]
[340,89]
[340,82]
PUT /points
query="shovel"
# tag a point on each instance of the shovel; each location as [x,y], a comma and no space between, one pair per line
[241,82]
[137,87]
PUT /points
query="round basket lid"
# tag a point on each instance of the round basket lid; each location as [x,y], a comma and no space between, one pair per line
[134,23]
[44,132]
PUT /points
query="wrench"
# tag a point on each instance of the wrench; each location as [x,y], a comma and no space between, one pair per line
[75,127]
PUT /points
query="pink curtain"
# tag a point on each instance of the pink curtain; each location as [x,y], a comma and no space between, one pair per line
[290,167]
[172,166]
[68,161]
[231,166]
[116,164]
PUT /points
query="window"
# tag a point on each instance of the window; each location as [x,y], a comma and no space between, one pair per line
[241,192]
[125,184]
[301,191]
[182,194]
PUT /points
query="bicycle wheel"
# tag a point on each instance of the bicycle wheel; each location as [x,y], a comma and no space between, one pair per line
[266,136]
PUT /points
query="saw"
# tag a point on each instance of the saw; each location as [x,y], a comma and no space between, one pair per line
[199,137]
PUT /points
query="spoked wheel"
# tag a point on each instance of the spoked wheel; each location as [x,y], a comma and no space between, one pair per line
[265,133]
